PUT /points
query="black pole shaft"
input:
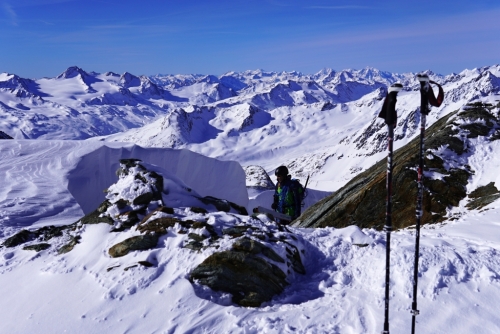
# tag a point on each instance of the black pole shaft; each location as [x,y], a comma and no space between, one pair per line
[418,213]
[424,110]
[388,224]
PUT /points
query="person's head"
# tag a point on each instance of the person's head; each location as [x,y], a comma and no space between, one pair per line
[281,173]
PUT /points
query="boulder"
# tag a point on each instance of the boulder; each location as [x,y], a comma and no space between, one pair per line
[249,278]
[37,247]
[19,238]
[140,242]
[70,245]
[483,196]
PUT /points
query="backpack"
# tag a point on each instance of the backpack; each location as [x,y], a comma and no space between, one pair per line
[299,188]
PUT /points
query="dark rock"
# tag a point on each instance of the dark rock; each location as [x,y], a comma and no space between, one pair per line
[196,237]
[158,185]
[130,220]
[198,210]
[293,256]
[240,209]
[248,245]
[254,247]
[95,218]
[486,190]
[163,209]
[19,238]
[145,264]
[104,206]
[249,278]
[140,242]
[475,130]
[129,163]
[236,231]
[121,203]
[37,247]
[125,164]
[160,225]
[223,205]
[49,232]
[70,245]
[483,196]
[3,135]
[143,199]
[482,202]
[129,267]
[194,245]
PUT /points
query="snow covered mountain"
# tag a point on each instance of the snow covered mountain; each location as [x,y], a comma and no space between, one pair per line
[254,117]
[323,125]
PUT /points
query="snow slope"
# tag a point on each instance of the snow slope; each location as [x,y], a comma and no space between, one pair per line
[342,291]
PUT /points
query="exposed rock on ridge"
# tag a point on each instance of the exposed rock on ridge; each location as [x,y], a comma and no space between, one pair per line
[361,201]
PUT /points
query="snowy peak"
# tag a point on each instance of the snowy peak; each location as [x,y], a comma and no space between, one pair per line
[128,80]
[72,72]
[111,74]
[84,78]
[210,79]
[20,87]
[232,82]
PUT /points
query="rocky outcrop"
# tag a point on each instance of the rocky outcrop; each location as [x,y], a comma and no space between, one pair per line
[43,234]
[252,258]
[3,135]
[483,196]
[254,262]
[140,242]
[361,201]
[257,178]
[257,267]
[249,278]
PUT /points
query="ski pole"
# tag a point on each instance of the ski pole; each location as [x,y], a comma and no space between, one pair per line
[426,97]
[389,114]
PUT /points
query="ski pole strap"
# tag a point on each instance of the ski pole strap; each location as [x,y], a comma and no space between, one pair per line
[388,111]
[436,102]
[427,94]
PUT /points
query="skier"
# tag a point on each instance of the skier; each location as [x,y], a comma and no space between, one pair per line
[288,195]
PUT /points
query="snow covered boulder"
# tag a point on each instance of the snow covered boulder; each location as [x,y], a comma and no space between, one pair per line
[260,262]
[141,191]
[249,278]
[257,178]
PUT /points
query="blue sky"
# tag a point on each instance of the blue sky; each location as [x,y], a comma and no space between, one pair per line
[43,37]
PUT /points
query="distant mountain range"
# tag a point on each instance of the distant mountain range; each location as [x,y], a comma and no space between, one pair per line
[306,121]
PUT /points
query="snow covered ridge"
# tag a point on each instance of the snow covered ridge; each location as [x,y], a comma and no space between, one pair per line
[308,122]
[253,259]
